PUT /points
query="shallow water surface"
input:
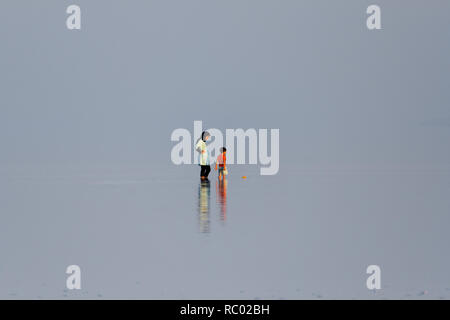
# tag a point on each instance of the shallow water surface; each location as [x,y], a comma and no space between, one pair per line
[161,233]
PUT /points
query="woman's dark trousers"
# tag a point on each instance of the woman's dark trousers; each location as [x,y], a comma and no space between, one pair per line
[204,172]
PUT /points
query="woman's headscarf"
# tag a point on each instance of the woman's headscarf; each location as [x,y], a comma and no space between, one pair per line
[205,134]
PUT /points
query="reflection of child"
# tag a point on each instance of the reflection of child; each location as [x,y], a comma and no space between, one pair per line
[221,188]
[222,162]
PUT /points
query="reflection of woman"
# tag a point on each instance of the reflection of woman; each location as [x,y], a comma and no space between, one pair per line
[203,206]
[203,160]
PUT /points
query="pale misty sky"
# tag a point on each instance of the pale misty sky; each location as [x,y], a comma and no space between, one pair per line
[114,91]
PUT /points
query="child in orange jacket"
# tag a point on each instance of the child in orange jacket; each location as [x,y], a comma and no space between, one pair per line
[222,162]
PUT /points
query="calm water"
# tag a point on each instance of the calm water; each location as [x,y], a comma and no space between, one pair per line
[158,232]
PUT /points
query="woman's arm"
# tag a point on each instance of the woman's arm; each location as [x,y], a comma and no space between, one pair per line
[199,146]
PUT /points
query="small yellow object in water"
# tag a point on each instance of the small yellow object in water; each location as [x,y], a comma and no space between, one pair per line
[244,177]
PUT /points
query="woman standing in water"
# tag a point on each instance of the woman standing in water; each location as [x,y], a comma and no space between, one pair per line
[204,155]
